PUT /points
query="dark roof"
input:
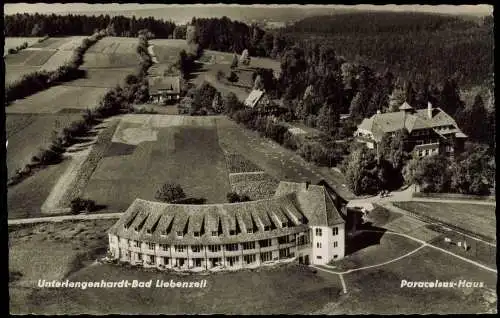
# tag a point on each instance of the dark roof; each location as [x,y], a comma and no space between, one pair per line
[170,84]
[293,206]
[379,124]
[313,201]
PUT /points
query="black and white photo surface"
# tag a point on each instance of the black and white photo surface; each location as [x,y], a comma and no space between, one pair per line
[250,159]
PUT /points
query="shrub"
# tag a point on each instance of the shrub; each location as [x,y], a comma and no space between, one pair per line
[78,205]
[170,192]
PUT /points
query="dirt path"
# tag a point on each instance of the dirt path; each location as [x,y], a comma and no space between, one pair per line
[78,154]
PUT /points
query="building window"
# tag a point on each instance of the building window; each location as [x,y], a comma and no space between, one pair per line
[335,256]
[232,232]
[164,247]
[302,240]
[267,228]
[214,248]
[250,230]
[137,244]
[179,248]
[197,262]
[335,244]
[318,245]
[165,260]
[284,253]
[151,246]
[179,233]
[248,245]
[266,257]
[139,256]
[265,243]
[196,248]
[232,260]
[231,247]
[319,257]
[215,233]
[196,234]
[152,259]
[335,231]
[319,232]
[284,224]
[249,259]
[283,239]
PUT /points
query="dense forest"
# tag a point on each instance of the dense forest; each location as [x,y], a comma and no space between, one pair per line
[410,44]
[64,25]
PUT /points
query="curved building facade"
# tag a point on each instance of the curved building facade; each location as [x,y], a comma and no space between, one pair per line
[300,221]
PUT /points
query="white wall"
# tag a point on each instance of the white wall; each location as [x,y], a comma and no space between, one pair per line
[327,251]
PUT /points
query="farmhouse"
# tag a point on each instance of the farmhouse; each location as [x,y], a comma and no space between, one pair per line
[299,222]
[431,130]
[259,100]
[164,89]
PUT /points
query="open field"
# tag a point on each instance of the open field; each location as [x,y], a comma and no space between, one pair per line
[112,52]
[29,57]
[13,42]
[102,78]
[57,99]
[66,250]
[383,247]
[27,133]
[51,251]
[149,150]
[279,162]
[378,290]
[471,217]
[24,200]
[47,55]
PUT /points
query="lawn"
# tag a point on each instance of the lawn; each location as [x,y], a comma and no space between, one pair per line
[161,148]
[288,289]
[471,217]
[378,291]
[372,248]
[51,251]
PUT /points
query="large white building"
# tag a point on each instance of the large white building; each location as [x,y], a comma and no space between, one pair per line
[431,130]
[300,222]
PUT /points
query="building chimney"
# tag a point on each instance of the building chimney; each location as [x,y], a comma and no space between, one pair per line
[429,110]
[307,184]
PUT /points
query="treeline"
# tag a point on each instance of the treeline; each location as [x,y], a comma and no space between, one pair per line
[379,22]
[116,101]
[64,25]
[40,80]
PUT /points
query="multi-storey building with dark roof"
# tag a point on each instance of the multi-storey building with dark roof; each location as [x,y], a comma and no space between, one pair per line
[431,130]
[300,221]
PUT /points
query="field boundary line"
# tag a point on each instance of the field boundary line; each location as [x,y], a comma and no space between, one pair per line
[380,264]
[63,218]
[431,220]
[439,249]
